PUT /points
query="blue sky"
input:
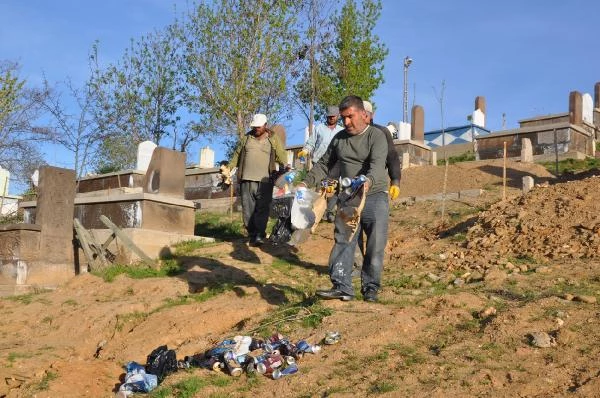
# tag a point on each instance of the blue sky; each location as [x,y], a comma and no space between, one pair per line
[523,56]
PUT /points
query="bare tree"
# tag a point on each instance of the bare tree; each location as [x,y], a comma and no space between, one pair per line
[76,129]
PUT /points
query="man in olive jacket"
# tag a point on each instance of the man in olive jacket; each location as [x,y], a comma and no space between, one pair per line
[258,154]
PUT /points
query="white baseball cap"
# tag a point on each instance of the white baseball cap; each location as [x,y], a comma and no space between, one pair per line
[258,120]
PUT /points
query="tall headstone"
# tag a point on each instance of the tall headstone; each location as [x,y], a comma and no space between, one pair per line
[478,118]
[207,158]
[597,95]
[587,105]
[433,158]
[144,154]
[166,173]
[480,104]
[405,160]
[527,184]
[54,213]
[4,180]
[575,107]
[404,131]
[526,151]
[418,124]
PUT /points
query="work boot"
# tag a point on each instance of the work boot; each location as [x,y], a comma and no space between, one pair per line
[370,295]
[334,294]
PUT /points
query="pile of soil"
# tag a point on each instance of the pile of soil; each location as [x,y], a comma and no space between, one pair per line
[562,221]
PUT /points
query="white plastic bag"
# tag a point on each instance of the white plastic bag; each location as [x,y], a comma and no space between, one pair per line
[302,214]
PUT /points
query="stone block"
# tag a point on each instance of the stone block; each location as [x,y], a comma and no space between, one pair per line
[526,151]
[528,184]
[166,173]
[54,213]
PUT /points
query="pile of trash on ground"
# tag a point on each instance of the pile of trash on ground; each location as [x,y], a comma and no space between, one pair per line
[274,357]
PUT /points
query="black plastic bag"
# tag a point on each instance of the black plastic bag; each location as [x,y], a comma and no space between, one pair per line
[281,209]
[161,362]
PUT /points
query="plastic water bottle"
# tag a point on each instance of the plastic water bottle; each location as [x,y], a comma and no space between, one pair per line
[289,176]
[301,194]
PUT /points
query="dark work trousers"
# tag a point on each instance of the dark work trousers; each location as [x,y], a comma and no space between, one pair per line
[374,223]
[256,201]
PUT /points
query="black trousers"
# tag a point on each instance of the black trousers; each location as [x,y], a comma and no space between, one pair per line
[256,201]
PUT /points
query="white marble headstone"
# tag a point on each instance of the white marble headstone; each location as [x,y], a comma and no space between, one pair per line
[144,155]
[207,158]
[404,131]
[587,108]
[4,180]
[478,118]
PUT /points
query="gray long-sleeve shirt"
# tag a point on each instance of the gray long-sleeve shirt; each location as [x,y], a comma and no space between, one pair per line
[364,153]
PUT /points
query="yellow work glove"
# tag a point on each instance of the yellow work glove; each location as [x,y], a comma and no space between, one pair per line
[394,192]
[225,174]
[302,154]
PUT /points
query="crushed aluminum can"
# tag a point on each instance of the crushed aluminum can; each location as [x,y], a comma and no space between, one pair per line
[288,370]
[269,364]
[332,338]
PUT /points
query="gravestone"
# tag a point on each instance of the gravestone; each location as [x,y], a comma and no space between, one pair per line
[165,174]
[4,180]
[207,158]
[434,158]
[480,104]
[54,214]
[587,105]
[575,107]
[405,160]
[404,131]
[144,154]
[597,95]
[526,151]
[527,184]
[478,118]
[418,124]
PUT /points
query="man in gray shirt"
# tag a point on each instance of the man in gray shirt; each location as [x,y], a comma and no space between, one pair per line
[360,149]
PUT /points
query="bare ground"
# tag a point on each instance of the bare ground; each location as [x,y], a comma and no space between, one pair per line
[459,303]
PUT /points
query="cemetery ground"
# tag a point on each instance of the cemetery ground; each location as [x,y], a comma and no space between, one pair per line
[500,300]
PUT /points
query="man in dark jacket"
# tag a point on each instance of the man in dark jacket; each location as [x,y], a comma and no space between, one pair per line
[360,149]
[258,154]
[392,162]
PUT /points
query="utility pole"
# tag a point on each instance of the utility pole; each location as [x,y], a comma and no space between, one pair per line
[407,62]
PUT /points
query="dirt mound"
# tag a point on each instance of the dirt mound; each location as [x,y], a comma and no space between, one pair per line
[558,221]
[486,174]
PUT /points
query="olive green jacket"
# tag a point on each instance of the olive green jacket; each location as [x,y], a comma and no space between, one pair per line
[278,154]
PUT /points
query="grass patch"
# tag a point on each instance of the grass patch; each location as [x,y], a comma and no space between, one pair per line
[218,226]
[381,387]
[281,264]
[463,157]
[409,354]
[29,298]
[309,314]
[572,165]
[70,302]
[187,388]
[13,356]
[136,317]
[44,384]
[140,270]
[403,282]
